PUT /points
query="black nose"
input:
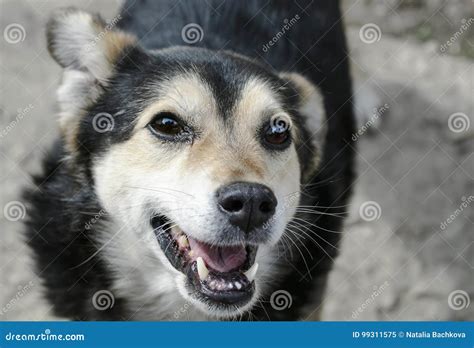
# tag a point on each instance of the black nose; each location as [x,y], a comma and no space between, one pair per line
[248,205]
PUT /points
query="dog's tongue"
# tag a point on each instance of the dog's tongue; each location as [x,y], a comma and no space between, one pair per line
[221,259]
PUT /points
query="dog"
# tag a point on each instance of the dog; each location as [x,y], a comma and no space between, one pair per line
[204,164]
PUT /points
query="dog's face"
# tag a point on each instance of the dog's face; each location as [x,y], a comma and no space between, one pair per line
[197,157]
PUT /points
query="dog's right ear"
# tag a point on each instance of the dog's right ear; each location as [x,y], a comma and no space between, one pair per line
[78,40]
[88,49]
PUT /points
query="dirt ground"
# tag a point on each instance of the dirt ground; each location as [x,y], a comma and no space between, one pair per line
[408,247]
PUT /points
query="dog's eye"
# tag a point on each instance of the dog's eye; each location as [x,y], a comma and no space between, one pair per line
[276,137]
[166,125]
[277,133]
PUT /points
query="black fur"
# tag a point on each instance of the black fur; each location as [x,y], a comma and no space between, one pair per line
[314,46]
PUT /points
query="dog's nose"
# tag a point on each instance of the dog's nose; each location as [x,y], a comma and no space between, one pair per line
[247,205]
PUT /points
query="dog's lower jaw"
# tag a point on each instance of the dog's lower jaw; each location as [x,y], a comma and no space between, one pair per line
[206,312]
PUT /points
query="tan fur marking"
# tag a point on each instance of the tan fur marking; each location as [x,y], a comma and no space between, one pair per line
[253,166]
[311,106]
[305,88]
[186,96]
[256,99]
[115,42]
[69,133]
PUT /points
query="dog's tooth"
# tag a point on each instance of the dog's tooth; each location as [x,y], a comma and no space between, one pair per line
[202,269]
[250,274]
[183,241]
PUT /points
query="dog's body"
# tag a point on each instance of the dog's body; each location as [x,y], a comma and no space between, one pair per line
[90,219]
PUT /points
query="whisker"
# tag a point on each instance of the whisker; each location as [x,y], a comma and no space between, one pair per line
[324,207]
[300,239]
[316,234]
[312,212]
[317,226]
[324,250]
[305,233]
[299,250]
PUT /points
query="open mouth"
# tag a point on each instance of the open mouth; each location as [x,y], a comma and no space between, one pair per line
[217,275]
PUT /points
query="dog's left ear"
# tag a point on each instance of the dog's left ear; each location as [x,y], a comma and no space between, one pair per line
[311,106]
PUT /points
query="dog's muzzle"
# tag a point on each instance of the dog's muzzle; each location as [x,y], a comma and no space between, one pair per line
[222,274]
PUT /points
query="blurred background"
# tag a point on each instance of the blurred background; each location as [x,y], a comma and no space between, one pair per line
[408,248]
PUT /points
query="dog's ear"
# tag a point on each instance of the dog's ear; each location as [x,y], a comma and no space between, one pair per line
[311,106]
[88,49]
[80,41]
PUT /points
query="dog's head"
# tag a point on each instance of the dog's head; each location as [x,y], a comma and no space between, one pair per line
[196,156]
